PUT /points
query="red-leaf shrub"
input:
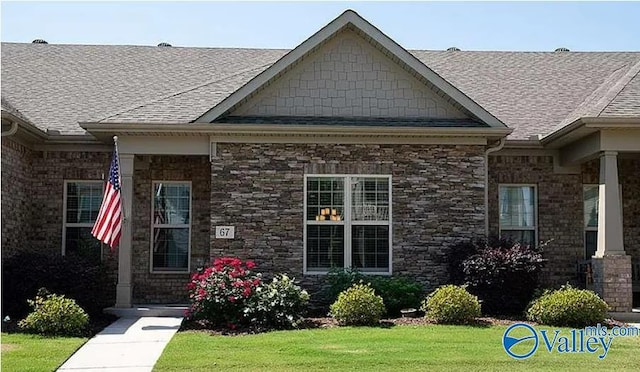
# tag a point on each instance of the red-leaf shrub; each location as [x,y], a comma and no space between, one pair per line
[505,279]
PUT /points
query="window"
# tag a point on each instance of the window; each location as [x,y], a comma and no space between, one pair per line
[518,213]
[171,226]
[348,223]
[82,201]
[590,193]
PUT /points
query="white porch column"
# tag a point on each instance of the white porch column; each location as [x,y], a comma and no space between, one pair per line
[123,289]
[611,266]
[610,240]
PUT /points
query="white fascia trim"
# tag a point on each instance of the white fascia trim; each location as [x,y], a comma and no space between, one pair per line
[593,123]
[346,18]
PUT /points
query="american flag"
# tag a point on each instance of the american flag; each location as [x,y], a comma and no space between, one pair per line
[108,225]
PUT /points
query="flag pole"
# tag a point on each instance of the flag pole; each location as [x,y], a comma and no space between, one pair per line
[115,144]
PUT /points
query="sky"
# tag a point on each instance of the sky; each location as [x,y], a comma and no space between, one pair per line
[517,26]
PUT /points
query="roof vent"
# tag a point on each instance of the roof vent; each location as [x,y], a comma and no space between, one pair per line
[562,50]
[163,44]
[39,41]
[453,49]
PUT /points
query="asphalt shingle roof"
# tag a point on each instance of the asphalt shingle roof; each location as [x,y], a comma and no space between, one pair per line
[57,86]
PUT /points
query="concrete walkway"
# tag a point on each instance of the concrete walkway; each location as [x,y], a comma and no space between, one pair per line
[129,344]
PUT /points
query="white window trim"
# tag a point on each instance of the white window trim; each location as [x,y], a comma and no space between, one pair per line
[151,235]
[65,224]
[347,217]
[595,228]
[534,228]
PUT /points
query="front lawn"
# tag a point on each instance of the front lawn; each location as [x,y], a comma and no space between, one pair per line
[24,352]
[404,347]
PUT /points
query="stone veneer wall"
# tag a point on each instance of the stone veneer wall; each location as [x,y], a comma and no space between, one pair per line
[437,196]
[164,287]
[560,207]
[16,193]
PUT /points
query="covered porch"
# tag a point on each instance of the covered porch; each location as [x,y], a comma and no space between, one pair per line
[609,150]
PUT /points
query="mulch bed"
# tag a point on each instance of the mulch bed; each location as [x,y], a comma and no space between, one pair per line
[326,322]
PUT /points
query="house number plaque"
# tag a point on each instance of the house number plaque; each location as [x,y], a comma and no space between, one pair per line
[225,232]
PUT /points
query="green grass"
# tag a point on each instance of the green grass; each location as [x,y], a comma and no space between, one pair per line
[409,348]
[23,352]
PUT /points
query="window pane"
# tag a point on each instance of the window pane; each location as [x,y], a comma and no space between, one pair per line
[370,247]
[590,243]
[526,237]
[170,248]
[325,199]
[517,206]
[591,205]
[325,246]
[79,241]
[171,204]
[83,201]
[370,199]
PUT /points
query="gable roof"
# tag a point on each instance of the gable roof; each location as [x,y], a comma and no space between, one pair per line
[57,86]
[350,19]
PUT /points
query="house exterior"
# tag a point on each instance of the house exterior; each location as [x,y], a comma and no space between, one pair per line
[346,151]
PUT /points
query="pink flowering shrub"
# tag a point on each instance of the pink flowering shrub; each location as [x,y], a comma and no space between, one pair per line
[230,293]
[220,293]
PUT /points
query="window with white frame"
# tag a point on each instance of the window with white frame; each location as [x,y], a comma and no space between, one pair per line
[171,226]
[82,201]
[517,204]
[590,198]
[348,222]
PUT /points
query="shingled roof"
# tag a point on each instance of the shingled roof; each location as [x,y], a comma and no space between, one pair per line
[58,86]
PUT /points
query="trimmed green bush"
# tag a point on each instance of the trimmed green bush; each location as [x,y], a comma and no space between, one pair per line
[568,307]
[358,305]
[55,315]
[397,292]
[451,304]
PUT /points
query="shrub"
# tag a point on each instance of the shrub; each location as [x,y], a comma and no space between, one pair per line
[231,294]
[23,273]
[397,292]
[568,307]
[358,305]
[505,279]
[55,315]
[451,304]
[220,293]
[279,304]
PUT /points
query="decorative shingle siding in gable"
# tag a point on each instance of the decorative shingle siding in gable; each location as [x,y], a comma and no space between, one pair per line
[348,77]
[438,200]
[16,193]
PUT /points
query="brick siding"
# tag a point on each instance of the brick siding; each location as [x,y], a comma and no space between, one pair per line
[164,287]
[560,207]
[16,206]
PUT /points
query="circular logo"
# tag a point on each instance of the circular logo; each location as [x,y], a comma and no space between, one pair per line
[517,334]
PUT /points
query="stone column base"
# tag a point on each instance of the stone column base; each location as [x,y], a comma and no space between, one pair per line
[612,281]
